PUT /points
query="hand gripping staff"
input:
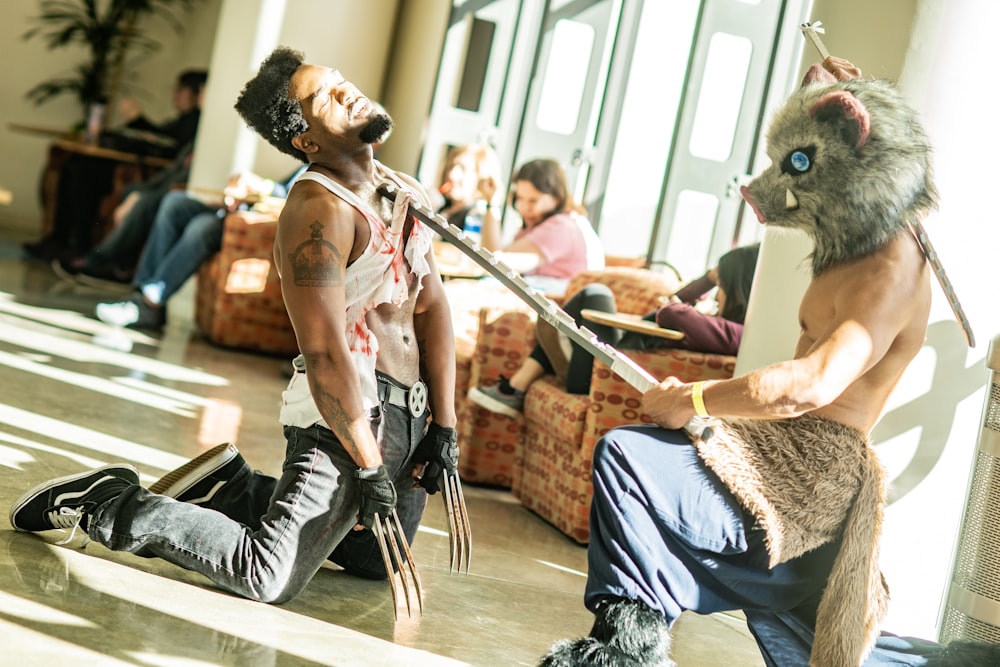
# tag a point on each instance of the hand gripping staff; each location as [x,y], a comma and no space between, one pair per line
[636,376]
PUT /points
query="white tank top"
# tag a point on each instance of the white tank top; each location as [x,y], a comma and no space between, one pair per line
[376,277]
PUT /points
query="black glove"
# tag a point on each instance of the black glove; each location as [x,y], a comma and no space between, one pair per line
[438,451]
[377,494]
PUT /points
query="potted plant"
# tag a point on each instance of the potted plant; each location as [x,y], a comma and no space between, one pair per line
[111,30]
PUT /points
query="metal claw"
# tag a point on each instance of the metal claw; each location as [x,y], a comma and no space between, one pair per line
[459,528]
[389,536]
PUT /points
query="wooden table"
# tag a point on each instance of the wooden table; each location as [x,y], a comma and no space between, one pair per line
[630,322]
[93,150]
[63,145]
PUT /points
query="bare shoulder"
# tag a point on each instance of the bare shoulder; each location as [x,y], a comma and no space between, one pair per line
[887,291]
[316,232]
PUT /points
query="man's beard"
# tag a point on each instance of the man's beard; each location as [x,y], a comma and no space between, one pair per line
[377,130]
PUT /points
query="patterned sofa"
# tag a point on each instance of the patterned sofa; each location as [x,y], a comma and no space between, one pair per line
[547,453]
[238,302]
[505,336]
[483,310]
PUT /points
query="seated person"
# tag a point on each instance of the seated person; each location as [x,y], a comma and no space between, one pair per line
[186,233]
[717,334]
[471,176]
[178,131]
[85,181]
[556,240]
[114,259]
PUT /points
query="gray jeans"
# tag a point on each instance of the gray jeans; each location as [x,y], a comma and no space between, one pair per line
[264,538]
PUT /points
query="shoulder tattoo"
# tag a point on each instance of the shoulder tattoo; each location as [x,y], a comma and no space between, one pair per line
[316,262]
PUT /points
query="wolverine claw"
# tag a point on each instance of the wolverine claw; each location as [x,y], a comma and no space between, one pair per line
[398,561]
[459,528]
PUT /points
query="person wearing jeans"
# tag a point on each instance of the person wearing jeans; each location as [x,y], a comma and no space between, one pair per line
[186,232]
[377,362]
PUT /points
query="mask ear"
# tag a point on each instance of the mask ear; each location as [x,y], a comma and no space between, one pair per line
[847,113]
[818,74]
[304,144]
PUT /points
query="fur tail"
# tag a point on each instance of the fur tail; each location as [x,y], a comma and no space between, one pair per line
[856,596]
[626,633]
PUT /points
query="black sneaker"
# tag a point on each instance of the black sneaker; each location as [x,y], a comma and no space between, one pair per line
[67,502]
[65,269]
[198,480]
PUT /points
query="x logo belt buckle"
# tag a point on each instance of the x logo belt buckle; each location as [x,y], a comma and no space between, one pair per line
[417,398]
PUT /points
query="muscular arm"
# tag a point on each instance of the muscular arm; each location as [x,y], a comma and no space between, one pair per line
[861,329]
[315,238]
[435,337]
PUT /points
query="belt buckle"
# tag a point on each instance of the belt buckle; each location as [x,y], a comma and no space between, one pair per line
[416,398]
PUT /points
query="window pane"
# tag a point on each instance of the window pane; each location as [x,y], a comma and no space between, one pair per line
[646,128]
[691,234]
[477,58]
[721,97]
[565,77]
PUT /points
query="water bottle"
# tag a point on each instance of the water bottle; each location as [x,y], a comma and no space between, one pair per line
[474,222]
[95,122]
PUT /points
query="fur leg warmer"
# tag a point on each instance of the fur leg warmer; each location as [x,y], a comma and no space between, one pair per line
[966,653]
[626,633]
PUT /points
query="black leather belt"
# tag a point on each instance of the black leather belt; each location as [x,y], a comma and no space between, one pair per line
[393,393]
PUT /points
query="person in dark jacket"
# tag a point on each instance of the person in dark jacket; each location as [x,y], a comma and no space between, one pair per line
[85,180]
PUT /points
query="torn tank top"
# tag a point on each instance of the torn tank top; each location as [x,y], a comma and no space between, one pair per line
[376,277]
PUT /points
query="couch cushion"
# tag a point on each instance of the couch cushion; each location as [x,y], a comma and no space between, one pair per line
[548,405]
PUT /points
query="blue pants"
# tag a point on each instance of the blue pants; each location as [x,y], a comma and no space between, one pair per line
[123,246]
[312,509]
[185,233]
[665,530]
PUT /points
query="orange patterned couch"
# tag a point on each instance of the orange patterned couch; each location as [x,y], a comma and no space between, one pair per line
[491,443]
[486,310]
[238,302]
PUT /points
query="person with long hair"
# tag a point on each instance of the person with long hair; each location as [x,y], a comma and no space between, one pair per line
[718,333]
[469,183]
[556,240]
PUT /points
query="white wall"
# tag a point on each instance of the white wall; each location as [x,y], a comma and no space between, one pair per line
[946,76]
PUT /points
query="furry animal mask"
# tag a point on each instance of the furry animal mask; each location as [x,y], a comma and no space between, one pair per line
[850,166]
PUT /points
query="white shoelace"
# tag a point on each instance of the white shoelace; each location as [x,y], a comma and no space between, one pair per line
[67,517]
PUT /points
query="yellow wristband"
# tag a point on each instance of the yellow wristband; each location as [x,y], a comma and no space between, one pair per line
[697,400]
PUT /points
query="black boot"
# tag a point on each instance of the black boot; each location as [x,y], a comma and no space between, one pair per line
[626,633]
[967,653]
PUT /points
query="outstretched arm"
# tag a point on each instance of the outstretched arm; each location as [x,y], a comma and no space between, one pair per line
[859,332]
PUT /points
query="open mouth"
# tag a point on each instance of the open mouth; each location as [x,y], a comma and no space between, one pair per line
[358,108]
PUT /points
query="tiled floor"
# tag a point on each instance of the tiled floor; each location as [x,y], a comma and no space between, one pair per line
[76,394]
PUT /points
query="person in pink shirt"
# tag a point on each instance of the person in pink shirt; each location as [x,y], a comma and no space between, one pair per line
[717,333]
[556,240]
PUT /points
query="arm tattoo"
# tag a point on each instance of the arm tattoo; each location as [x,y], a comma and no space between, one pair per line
[316,262]
[340,423]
